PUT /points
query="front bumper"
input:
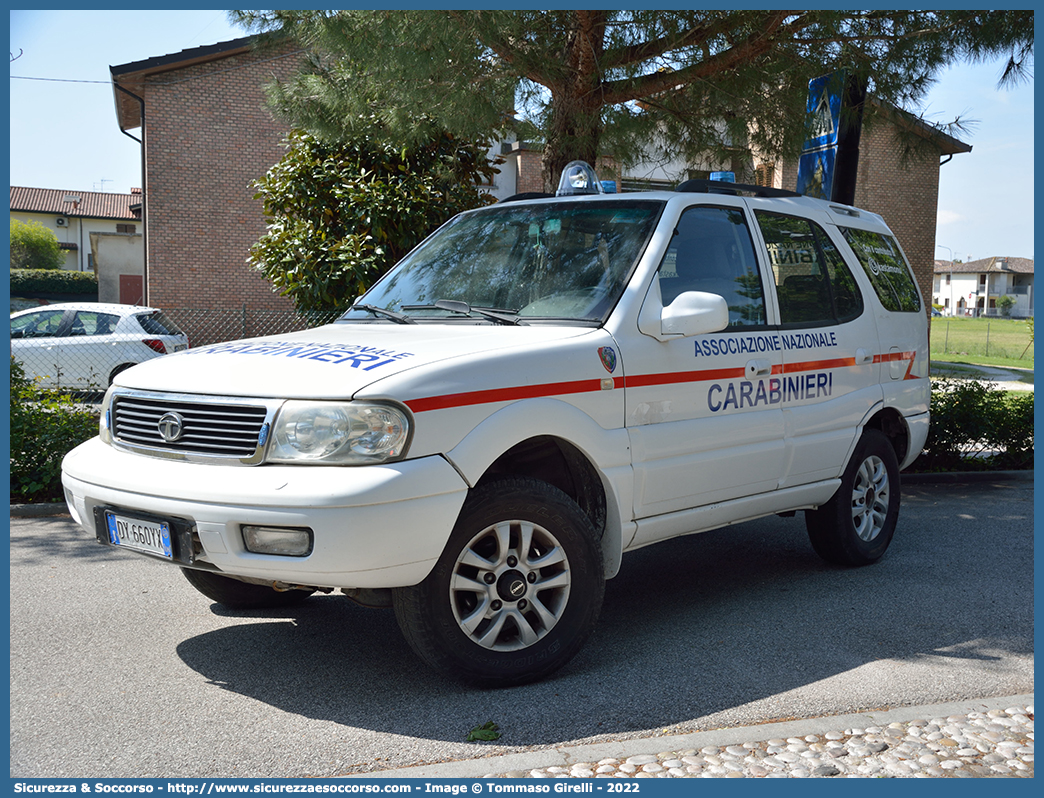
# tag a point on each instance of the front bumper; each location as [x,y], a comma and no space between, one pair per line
[373,526]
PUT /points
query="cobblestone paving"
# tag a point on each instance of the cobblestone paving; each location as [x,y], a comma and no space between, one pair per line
[998,743]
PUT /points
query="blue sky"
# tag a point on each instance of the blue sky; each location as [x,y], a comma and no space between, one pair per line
[64,134]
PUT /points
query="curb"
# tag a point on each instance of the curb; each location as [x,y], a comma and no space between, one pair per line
[952,477]
[38,510]
[567,755]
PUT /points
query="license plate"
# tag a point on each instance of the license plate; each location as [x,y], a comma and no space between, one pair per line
[151,537]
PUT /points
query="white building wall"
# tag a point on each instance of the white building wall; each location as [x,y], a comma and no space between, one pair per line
[969,295]
[116,254]
[77,230]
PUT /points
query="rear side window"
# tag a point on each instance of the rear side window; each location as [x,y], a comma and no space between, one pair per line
[157,324]
[887,269]
[91,323]
[813,282]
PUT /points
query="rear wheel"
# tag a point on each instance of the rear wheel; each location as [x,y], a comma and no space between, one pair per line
[516,592]
[857,524]
[238,595]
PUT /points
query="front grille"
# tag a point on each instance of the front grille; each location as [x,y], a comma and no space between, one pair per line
[208,428]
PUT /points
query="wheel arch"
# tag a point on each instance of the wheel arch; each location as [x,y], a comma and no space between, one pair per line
[892,425]
[557,443]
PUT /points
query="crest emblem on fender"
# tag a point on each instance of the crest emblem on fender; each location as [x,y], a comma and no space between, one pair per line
[608,356]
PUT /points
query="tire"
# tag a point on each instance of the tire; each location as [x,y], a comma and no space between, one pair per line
[857,524]
[119,370]
[516,592]
[237,595]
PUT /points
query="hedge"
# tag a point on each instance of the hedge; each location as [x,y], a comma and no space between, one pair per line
[977,427]
[45,425]
[28,282]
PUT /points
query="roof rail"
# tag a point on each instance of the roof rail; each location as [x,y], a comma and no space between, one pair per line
[724,187]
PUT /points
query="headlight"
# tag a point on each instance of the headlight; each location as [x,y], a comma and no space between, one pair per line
[349,433]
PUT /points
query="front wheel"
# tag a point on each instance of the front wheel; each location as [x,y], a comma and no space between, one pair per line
[238,595]
[857,524]
[516,592]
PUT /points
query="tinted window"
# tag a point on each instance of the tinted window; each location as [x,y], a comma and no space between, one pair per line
[37,325]
[712,251]
[813,282]
[887,269]
[91,323]
[157,324]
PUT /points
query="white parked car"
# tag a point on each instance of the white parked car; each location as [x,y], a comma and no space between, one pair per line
[539,387]
[83,346]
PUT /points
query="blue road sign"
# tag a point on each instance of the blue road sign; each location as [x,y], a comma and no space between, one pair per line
[824,110]
[816,165]
[816,173]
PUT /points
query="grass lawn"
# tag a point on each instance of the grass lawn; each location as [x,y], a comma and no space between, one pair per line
[990,341]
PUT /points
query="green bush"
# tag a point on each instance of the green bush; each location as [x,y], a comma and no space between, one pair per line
[27,282]
[34,246]
[976,427]
[340,215]
[45,425]
[1005,303]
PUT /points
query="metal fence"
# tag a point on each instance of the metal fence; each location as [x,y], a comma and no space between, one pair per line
[214,326]
[84,357]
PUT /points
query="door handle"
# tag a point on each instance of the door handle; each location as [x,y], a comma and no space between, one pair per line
[862,357]
[758,368]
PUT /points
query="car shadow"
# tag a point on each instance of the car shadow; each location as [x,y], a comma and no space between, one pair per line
[690,629]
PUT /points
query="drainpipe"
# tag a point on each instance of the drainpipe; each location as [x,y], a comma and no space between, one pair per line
[144,196]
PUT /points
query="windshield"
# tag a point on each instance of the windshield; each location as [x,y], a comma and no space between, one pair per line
[559,260]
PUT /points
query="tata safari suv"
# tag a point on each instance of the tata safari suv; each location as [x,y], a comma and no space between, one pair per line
[539,387]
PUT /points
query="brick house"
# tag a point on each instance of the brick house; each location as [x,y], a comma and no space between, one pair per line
[207,135]
[97,232]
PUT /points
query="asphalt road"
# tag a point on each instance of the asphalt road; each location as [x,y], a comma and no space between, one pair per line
[120,669]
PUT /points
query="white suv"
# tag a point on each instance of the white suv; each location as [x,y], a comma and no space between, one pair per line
[537,388]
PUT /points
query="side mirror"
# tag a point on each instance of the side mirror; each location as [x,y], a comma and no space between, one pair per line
[691,313]
[695,313]
[17,333]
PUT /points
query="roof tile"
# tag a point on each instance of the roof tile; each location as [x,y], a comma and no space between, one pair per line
[89,204]
[991,264]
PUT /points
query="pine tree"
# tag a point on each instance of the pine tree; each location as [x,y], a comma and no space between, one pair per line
[628,84]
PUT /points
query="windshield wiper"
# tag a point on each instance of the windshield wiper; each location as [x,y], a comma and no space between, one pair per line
[464,309]
[400,318]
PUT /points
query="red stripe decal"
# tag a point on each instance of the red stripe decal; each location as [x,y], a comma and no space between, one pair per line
[818,365]
[672,378]
[504,395]
[516,393]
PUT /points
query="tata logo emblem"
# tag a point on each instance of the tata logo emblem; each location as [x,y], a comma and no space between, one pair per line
[171,427]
